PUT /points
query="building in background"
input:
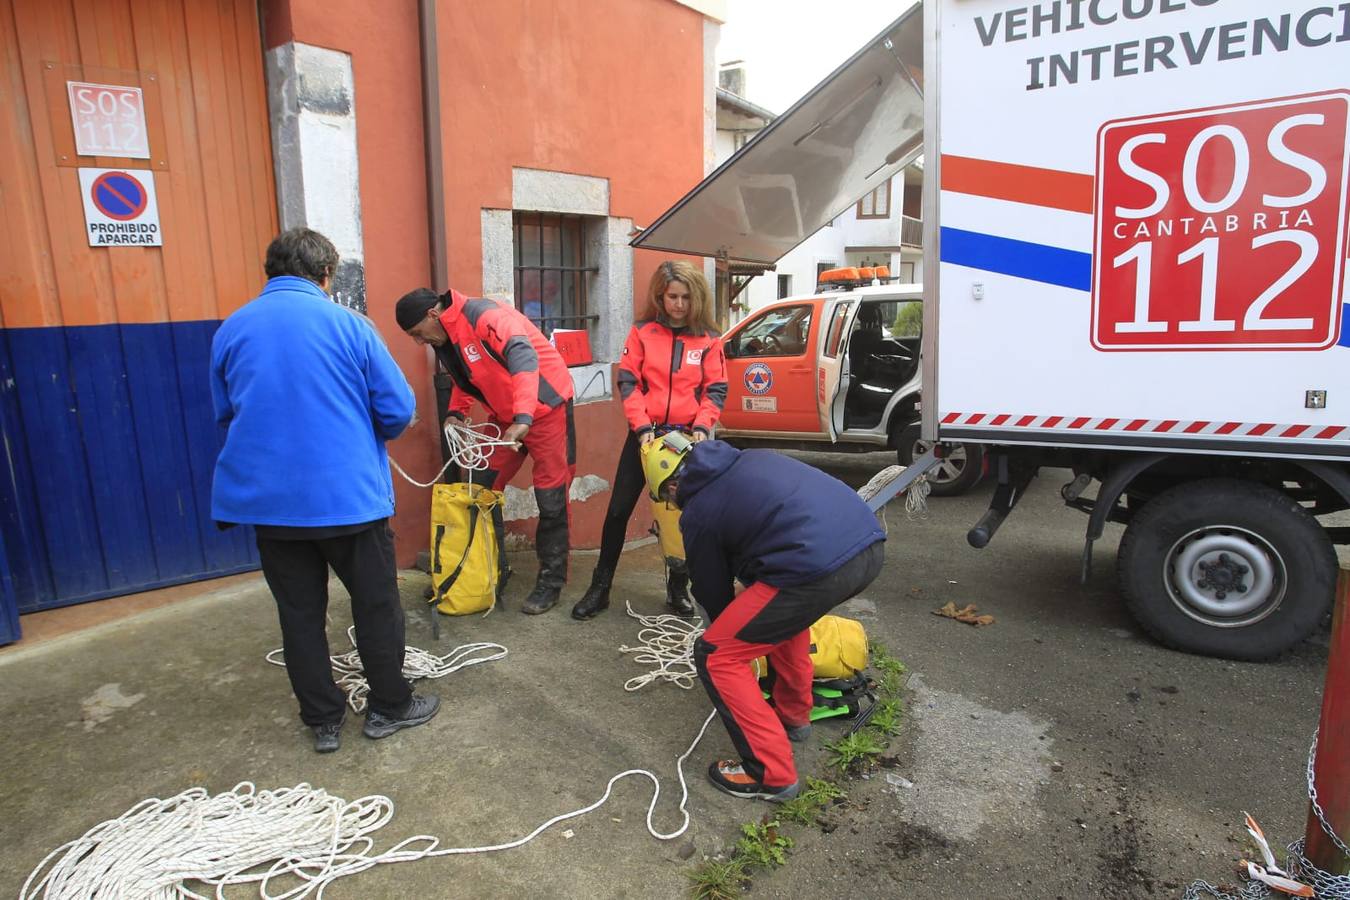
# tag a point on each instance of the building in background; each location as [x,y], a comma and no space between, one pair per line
[506,149]
[883,228]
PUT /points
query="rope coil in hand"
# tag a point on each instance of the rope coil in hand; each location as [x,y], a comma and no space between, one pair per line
[470,446]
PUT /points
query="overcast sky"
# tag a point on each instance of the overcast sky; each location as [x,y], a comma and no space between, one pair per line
[789,46]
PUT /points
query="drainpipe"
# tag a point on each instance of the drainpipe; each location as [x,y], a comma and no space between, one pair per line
[431,135]
[431,128]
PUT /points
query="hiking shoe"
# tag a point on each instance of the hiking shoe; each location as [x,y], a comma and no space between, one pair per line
[731,778]
[798,734]
[541,600]
[328,736]
[419,710]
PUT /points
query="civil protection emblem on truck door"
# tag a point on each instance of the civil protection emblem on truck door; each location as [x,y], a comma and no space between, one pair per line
[758,378]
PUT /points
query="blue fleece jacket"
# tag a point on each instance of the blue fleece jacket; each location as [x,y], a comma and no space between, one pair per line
[309,394]
[757,515]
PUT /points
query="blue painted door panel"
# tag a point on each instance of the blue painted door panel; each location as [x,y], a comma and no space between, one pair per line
[110,443]
[9,609]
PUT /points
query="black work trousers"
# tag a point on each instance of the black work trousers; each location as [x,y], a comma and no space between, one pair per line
[297,573]
[629,483]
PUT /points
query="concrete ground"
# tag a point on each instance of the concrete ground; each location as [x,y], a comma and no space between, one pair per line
[1055,753]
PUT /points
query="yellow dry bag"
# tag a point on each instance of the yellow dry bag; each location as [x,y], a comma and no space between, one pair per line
[838,649]
[667,528]
[464,551]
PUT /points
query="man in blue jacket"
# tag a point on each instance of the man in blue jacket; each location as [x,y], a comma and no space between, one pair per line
[308,394]
[802,543]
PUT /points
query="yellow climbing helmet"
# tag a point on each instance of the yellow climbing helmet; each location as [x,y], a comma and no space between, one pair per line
[662,458]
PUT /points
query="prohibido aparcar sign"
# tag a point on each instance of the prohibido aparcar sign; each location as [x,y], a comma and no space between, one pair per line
[120,208]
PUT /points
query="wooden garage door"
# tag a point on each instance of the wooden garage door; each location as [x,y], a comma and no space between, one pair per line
[108,434]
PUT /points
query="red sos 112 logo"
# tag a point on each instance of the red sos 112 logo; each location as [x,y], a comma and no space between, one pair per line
[1222,229]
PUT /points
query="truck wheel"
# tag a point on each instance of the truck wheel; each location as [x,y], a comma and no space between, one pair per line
[1225,567]
[958,472]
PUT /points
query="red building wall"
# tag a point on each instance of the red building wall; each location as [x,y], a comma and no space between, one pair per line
[605,88]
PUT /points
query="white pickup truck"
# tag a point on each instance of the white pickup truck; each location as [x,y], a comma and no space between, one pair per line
[1135,222]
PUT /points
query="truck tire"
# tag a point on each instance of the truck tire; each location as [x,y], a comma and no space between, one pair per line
[958,473]
[1226,567]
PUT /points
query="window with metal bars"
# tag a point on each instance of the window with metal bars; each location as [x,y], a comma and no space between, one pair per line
[551,270]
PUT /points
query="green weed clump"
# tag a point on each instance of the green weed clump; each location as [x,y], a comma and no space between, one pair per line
[854,754]
[719,879]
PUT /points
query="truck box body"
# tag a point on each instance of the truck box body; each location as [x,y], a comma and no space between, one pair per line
[1135,253]
[1139,237]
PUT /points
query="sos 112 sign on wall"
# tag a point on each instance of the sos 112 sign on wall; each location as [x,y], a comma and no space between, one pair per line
[109,120]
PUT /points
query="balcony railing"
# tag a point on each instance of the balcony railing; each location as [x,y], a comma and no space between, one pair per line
[911,231]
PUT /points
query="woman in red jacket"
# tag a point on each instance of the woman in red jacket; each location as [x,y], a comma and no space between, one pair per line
[672,376]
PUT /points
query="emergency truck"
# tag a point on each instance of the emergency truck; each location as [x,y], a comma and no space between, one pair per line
[838,369]
[1135,221]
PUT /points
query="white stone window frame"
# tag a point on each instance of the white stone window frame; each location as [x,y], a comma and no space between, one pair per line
[609,291]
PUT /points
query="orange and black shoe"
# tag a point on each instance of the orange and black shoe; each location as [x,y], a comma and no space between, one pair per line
[731,778]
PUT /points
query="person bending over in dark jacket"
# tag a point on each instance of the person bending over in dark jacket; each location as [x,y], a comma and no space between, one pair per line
[308,394]
[801,542]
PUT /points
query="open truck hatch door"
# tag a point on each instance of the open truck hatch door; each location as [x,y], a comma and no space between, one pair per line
[843,139]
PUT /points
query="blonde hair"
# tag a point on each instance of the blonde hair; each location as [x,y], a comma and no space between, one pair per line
[700,304]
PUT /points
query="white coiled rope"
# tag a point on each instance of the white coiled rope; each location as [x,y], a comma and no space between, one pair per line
[471,448]
[417,663]
[246,836]
[667,643]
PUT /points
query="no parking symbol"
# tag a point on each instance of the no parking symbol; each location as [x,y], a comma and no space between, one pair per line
[120,207]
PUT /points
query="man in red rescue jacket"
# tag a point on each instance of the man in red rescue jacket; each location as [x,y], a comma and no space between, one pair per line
[497,356]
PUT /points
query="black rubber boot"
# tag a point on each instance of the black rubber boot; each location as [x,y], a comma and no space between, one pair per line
[503,567]
[596,598]
[551,546]
[677,590]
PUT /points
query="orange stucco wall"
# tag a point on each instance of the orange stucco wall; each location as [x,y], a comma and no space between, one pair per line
[607,88]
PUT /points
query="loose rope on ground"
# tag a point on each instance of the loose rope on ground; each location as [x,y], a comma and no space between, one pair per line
[268,838]
[665,642]
[1325,885]
[470,446]
[417,664]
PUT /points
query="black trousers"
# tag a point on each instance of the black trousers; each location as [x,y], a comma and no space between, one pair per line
[629,483]
[297,573]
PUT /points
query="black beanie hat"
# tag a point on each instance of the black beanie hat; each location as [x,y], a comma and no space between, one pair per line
[412,307]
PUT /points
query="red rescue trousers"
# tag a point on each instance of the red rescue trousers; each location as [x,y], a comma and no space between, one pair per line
[773,622]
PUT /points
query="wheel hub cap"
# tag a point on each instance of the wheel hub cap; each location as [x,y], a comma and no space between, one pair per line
[1225,576]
